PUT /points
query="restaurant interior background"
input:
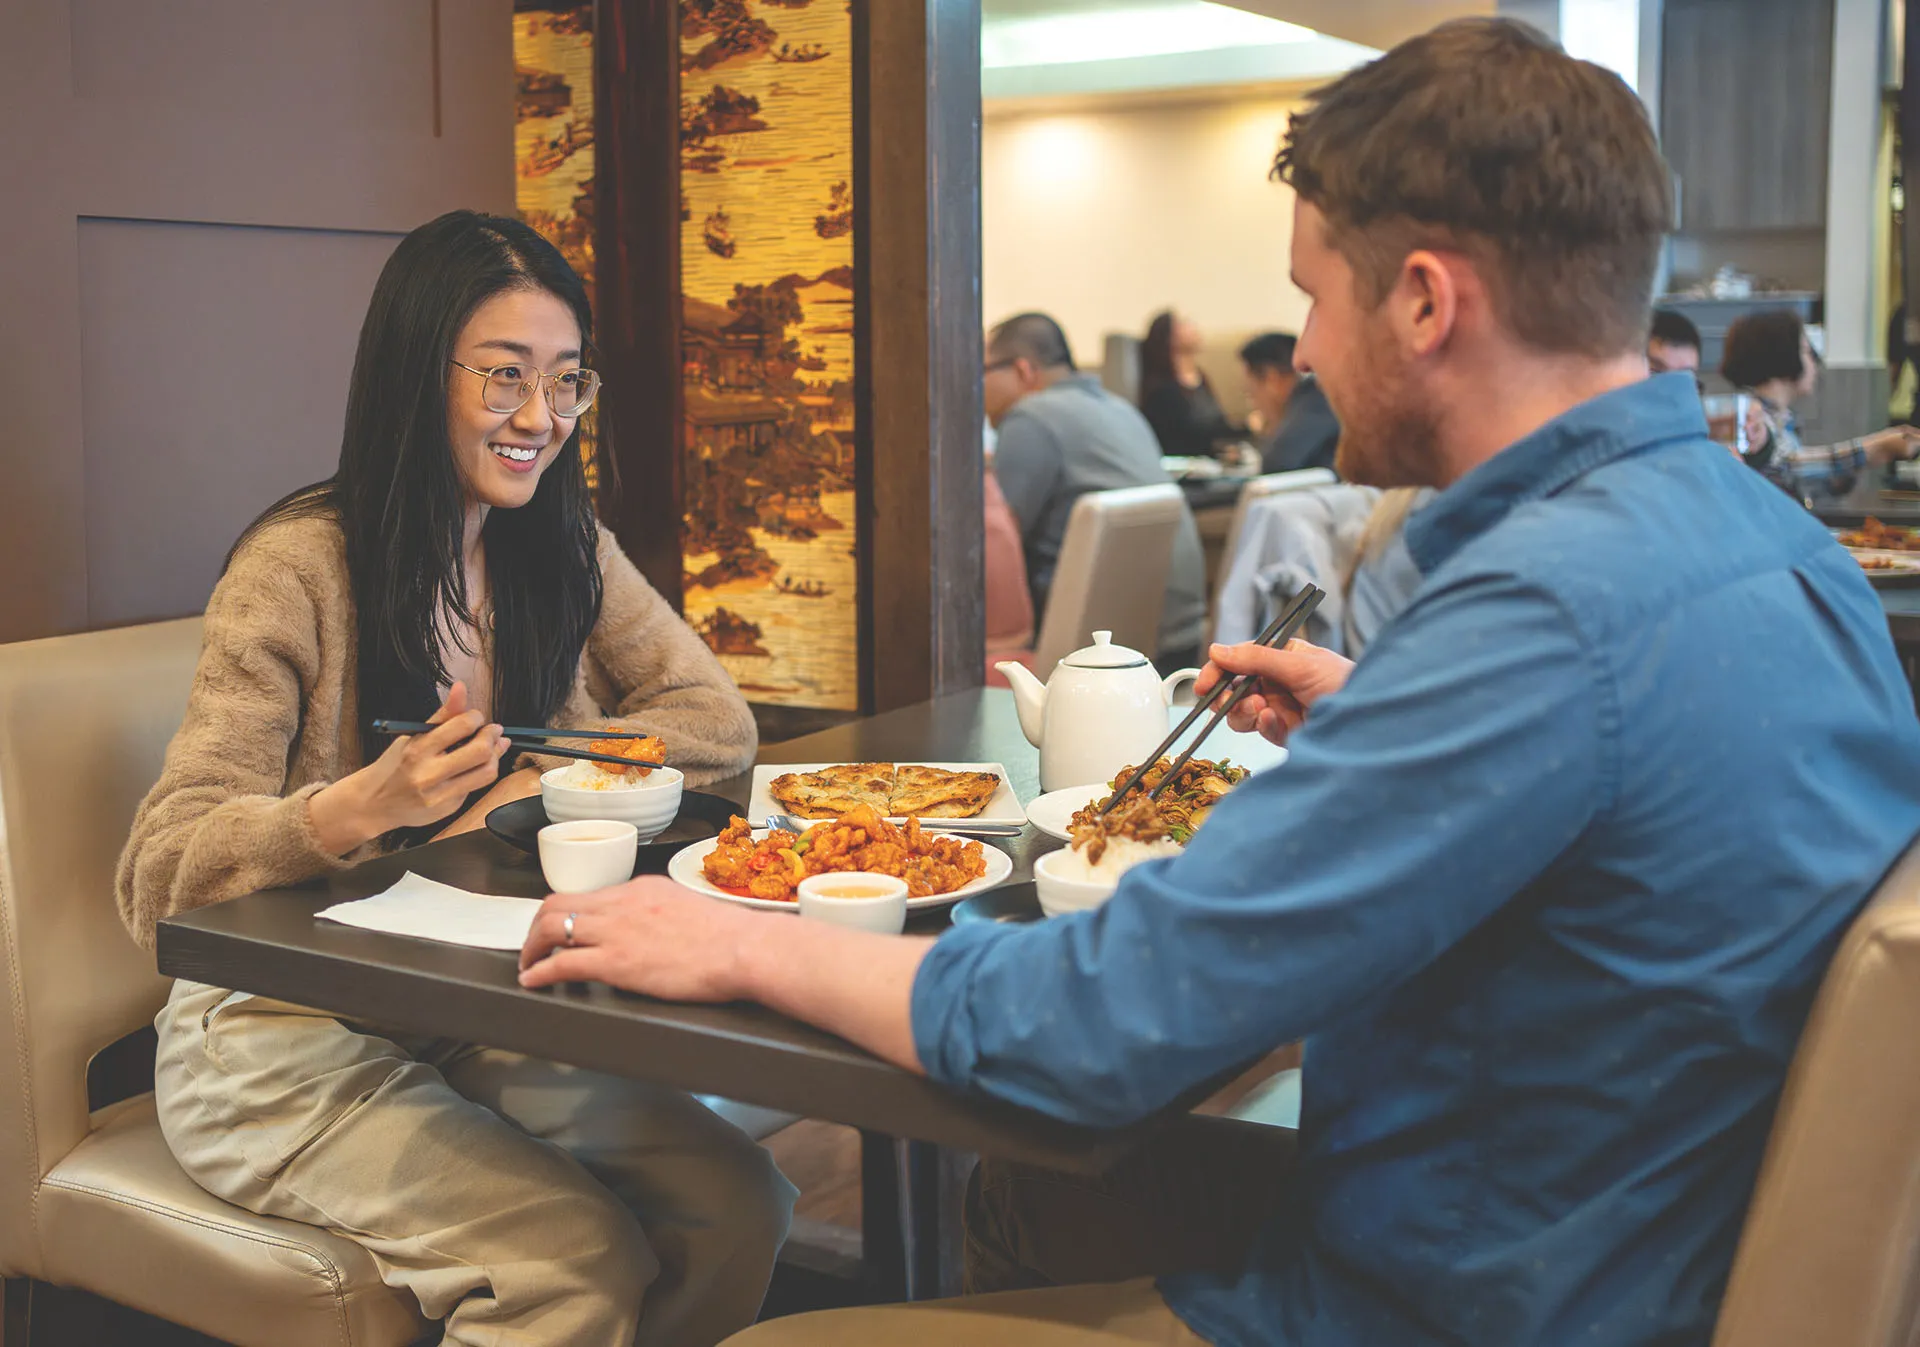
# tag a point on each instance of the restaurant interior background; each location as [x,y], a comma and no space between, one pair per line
[200,217]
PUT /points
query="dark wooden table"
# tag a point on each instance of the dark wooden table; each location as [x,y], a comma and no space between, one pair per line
[269,943]
[1871,495]
[1890,504]
[1903,615]
[1208,493]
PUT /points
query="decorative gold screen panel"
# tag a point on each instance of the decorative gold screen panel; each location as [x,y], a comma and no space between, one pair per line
[553,138]
[766,137]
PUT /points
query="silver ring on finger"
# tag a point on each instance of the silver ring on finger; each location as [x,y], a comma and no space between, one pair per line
[566,927]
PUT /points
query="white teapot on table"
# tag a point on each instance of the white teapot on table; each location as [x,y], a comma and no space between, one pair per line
[1102,709]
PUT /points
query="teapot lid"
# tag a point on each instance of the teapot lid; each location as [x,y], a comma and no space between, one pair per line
[1104,654]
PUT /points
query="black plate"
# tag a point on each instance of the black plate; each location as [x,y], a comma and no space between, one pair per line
[1009,902]
[700,817]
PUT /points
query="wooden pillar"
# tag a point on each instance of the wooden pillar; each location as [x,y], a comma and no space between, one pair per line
[917,304]
[637,254]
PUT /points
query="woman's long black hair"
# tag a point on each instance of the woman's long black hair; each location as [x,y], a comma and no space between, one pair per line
[401,505]
[1156,354]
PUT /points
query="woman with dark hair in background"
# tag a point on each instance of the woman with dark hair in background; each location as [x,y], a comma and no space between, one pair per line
[1768,355]
[452,570]
[1175,395]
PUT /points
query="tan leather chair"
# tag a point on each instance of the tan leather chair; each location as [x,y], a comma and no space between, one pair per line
[95,1200]
[1112,572]
[1830,1256]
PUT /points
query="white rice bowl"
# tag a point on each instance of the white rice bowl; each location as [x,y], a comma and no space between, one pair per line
[649,804]
[597,776]
[1065,882]
[1121,855]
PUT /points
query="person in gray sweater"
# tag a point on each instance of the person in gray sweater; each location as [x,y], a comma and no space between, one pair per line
[1060,434]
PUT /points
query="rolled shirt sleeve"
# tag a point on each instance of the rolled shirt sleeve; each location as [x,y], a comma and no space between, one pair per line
[1467,752]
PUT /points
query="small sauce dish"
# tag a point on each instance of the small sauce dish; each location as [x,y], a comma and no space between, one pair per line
[587,854]
[855,899]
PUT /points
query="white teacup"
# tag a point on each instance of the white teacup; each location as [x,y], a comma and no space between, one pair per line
[587,854]
[857,899]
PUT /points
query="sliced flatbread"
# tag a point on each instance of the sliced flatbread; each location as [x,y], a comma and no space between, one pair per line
[832,791]
[934,792]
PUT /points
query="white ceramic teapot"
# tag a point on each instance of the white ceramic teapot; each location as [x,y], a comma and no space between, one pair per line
[1102,709]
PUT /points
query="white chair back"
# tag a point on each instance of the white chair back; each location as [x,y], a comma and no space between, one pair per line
[1112,573]
[1256,488]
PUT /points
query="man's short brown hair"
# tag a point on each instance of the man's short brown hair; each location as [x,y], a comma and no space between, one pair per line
[1484,137]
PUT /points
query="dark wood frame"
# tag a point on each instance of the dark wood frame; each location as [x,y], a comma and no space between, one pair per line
[637,266]
[917,300]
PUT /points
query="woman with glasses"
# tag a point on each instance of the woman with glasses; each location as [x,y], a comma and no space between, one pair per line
[451,570]
[1768,355]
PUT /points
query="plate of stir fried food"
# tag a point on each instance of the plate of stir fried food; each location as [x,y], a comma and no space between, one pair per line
[1878,537]
[1889,555]
[1176,815]
[761,867]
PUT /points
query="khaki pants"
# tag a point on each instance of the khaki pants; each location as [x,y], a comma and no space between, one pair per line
[522,1202]
[1058,1260]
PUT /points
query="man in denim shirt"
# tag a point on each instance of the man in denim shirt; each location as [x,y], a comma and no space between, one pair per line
[1551,876]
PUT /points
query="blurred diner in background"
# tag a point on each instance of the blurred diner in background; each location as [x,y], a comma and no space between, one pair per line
[1296,427]
[1768,355]
[1176,396]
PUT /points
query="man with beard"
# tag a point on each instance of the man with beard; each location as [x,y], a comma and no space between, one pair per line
[1549,879]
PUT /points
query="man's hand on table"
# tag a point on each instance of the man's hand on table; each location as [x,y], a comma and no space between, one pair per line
[1292,679]
[652,936]
[647,935]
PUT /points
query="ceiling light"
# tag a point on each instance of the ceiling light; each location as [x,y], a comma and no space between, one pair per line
[1118,34]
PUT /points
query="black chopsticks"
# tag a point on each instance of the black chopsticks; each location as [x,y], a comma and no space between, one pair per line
[511,731]
[588,755]
[1278,633]
[540,737]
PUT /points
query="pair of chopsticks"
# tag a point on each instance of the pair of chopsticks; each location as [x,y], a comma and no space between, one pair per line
[1278,633]
[520,733]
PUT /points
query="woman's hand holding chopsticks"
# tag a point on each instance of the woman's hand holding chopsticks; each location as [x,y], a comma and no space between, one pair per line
[1291,680]
[417,779]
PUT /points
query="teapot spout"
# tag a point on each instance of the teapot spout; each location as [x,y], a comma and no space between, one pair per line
[1029,697]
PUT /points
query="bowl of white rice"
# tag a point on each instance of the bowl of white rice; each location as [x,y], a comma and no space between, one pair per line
[582,790]
[1066,881]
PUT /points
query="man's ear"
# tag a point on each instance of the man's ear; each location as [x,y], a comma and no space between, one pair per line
[1425,302]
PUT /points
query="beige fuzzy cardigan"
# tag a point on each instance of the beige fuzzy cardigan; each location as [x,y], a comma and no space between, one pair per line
[273,717]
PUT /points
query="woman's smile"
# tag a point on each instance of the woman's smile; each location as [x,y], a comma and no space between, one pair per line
[517,457]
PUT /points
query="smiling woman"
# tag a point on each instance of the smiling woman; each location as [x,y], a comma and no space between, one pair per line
[506,419]
[452,561]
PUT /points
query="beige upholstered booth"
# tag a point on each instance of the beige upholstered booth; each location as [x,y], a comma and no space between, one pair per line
[1831,1248]
[94,1200]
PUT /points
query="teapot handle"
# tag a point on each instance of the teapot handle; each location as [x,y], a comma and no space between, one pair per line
[1170,684]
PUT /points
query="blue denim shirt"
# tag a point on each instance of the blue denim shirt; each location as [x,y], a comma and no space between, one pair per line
[1547,889]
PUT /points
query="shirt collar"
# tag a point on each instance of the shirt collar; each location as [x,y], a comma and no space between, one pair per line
[1598,431]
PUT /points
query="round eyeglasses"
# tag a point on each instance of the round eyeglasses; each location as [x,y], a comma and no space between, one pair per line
[507,388]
